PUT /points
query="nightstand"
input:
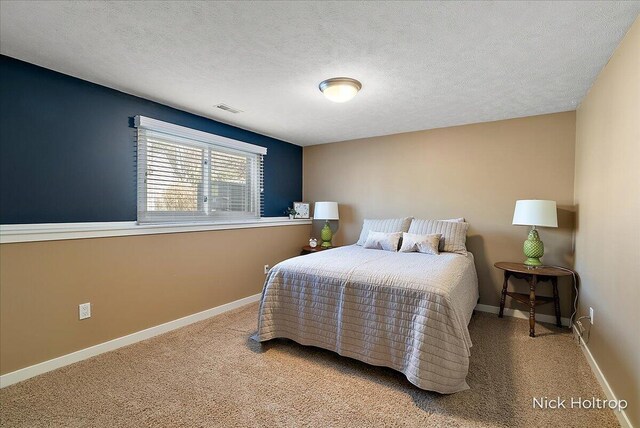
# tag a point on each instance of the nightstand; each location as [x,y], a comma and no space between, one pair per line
[308,250]
[533,275]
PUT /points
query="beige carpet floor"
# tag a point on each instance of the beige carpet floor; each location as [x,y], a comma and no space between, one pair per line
[211,374]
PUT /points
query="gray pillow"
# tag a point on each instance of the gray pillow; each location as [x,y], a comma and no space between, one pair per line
[383,241]
[427,244]
[386,225]
[454,234]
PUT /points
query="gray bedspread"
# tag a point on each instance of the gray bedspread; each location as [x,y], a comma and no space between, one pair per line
[407,311]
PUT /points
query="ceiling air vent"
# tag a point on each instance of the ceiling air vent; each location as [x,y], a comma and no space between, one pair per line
[228,108]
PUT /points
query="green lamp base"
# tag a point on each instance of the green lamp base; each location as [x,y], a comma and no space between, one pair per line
[533,249]
[533,262]
[326,235]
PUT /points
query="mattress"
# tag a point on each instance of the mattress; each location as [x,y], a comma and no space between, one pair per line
[406,311]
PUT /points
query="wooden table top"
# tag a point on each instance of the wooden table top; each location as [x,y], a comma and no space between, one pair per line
[532,270]
[314,249]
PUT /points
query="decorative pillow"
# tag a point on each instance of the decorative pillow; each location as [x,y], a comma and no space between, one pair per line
[456,220]
[383,241]
[427,244]
[386,225]
[454,234]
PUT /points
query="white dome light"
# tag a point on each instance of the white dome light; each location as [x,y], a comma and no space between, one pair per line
[340,89]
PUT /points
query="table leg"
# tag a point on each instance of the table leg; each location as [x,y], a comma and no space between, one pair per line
[503,295]
[532,305]
[556,300]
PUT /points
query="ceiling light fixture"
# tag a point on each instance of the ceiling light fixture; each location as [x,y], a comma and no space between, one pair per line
[340,89]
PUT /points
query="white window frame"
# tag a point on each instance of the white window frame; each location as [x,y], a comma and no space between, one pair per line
[206,141]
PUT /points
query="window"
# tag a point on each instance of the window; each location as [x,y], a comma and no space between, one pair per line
[189,175]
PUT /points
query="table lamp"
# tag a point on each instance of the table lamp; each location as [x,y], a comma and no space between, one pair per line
[534,212]
[326,211]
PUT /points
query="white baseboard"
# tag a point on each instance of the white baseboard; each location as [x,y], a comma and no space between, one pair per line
[551,319]
[83,354]
[621,415]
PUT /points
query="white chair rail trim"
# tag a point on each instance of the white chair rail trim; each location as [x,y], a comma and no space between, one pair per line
[12,233]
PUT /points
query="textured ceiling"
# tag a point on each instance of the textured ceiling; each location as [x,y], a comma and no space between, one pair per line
[422,65]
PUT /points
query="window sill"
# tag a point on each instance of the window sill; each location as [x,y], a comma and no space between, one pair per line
[12,233]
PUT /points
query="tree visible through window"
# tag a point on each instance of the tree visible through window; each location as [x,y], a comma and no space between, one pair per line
[174,178]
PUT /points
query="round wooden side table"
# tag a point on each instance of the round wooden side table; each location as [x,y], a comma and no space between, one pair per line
[533,275]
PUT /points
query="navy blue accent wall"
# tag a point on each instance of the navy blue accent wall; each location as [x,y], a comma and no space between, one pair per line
[67,149]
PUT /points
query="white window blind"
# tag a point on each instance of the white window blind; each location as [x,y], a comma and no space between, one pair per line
[189,175]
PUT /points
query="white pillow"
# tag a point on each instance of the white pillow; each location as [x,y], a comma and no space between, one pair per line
[383,241]
[454,234]
[455,220]
[427,244]
[386,225]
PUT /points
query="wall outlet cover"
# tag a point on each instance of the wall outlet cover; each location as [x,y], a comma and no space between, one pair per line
[84,311]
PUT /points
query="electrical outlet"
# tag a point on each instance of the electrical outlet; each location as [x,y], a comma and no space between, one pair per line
[84,310]
[591,314]
[266,269]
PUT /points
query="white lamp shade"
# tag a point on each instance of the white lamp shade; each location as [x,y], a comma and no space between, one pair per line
[536,212]
[326,211]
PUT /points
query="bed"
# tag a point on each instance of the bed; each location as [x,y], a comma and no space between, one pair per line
[407,311]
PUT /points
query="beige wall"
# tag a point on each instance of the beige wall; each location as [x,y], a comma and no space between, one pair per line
[132,283]
[607,196]
[473,171]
